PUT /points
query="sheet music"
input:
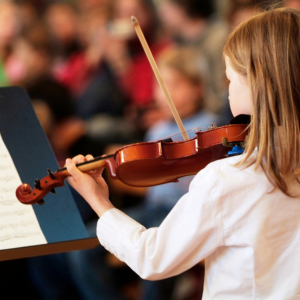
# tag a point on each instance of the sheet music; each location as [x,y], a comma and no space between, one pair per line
[19,226]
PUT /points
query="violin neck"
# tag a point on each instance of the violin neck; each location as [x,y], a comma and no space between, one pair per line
[96,163]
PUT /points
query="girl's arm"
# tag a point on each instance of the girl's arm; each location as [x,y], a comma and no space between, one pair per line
[189,233]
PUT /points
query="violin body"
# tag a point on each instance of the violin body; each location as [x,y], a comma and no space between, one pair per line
[154,163]
[149,163]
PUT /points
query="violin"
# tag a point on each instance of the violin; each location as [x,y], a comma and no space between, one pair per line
[149,163]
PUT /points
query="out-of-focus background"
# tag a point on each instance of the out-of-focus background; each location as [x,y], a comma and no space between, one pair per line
[94,91]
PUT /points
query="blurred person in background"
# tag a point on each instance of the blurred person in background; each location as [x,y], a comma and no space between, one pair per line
[61,19]
[195,24]
[127,59]
[186,86]
[82,67]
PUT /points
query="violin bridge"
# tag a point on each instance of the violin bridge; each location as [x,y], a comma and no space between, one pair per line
[212,126]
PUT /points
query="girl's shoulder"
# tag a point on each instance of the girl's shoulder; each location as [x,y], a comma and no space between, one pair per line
[225,172]
[226,165]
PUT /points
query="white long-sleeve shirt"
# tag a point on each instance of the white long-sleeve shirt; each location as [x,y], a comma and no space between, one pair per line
[248,233]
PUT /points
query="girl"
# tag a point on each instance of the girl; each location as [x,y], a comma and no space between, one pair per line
[242,214]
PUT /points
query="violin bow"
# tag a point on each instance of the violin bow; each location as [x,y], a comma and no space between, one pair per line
[158,76]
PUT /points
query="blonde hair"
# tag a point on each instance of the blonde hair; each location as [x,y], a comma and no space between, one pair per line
[266,49]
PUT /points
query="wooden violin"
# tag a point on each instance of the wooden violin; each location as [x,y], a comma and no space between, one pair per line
[149,163]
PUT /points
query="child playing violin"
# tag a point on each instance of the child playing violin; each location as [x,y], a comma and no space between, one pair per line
[242,213]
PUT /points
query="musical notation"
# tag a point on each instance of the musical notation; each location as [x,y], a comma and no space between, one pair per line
[19,226]
[7,178]
[18,212]
[17,235]
[16,225]
[5,202]
[6,189]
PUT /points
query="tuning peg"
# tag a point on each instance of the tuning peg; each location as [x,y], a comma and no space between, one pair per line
[50,174]
[41,202]
[37,184]
[53,191]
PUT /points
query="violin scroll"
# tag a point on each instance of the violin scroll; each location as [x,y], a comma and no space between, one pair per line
[42,187]
[26,195]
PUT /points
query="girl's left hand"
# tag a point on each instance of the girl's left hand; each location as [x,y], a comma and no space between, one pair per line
[91,185]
